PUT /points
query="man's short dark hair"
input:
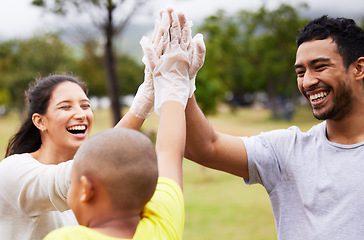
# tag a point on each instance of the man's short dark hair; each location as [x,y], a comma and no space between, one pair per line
[348,37]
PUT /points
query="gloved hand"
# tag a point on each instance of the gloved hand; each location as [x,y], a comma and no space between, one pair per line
[143,102]
[171,78]
[197,58]
[196,50]
[173,59]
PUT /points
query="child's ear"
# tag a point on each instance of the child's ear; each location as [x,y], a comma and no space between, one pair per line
[87,189]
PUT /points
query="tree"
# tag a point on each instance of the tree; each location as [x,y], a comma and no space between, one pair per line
[109,26]
[90,68]
[132,72]
[5,100]
[23,60]
[271,44]
[213,79]
[252,51]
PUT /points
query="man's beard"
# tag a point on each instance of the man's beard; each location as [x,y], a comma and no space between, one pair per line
[341,104]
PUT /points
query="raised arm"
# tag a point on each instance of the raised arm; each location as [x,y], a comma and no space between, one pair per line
[212,149]
[130,121]
[171,141]
[143,102]
[172,89]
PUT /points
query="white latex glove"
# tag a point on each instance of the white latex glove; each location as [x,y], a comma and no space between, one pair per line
[143,102]
[171,78]
[196,50]
[160,36]
[197,58]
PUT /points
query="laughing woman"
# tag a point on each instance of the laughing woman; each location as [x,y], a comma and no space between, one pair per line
[34,176]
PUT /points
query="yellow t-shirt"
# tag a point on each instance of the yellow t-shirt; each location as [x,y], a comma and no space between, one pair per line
[162,218]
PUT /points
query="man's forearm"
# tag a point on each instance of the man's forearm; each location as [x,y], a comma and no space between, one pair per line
[200,135]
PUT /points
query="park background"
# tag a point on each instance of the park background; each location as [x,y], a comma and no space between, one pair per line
[247,84]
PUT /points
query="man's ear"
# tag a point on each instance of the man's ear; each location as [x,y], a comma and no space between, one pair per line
[359,68]
[87,189]
[38,121]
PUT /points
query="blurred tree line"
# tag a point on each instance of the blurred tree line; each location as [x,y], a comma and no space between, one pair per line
[22,61]
[106,17]
[250,52]
[247,53]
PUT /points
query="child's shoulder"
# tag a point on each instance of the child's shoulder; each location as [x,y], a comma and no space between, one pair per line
[163,216]
[167,184]
[76,233]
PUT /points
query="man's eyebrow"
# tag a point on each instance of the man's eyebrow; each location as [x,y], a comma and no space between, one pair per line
[320,60]
[297,66]
[314,61]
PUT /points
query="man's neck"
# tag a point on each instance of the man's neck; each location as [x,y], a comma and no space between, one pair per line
[349,130]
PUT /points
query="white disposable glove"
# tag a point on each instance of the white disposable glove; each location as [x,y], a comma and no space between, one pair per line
[196,50]
[171,78]
[143,102]
[197,58]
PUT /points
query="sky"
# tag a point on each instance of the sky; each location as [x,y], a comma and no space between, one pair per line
[19,19]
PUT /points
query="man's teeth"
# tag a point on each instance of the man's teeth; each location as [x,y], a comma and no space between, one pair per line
[77,128]
[318,96]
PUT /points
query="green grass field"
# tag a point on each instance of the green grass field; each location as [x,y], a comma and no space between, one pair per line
[218,205]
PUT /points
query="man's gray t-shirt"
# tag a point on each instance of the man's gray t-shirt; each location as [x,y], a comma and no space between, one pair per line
[316,187]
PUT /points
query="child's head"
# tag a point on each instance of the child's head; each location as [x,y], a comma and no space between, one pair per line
[119,165]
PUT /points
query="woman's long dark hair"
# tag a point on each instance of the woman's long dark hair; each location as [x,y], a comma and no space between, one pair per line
[28,139]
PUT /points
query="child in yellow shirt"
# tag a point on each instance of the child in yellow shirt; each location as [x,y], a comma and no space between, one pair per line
[121,187]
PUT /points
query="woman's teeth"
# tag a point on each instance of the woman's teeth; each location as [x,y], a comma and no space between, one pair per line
[77,129]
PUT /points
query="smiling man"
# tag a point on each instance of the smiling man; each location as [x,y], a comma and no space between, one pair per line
[321,79]
[314,179]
